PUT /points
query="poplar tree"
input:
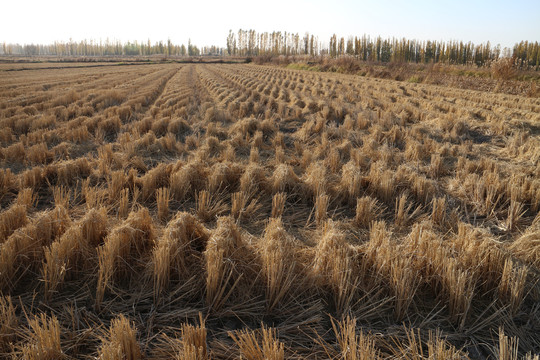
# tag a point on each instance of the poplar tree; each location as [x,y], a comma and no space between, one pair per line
[350,46]
[333,46]
[341,46]
[305,39]
[231,44]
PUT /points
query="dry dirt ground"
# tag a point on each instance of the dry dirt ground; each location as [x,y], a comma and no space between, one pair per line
[205,211]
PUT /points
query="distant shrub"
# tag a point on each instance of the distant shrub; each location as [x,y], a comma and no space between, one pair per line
[281,60]
[503,69]
[533,90]
[415,79]
[262,59]
[347,64]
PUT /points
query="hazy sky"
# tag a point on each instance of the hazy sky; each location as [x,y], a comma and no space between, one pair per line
[207,22]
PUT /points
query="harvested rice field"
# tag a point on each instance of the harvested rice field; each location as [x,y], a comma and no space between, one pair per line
[238,211]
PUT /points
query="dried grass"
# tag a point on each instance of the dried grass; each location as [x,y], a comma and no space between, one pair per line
[367,210]
[11,220]
[321,208]
[351,345]
[227,262]
[162,200]
[130,241]
[43,340]
[9,324]
[173,257]
[267,348]
[278,204]
[194,343]
[513,284]
[120,342]
[208,207]
[333,267]
[278,263]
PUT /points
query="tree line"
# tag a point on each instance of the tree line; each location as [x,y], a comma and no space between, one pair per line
[249,43]
[406,50]
[110,48]
[527,54]
[252,43]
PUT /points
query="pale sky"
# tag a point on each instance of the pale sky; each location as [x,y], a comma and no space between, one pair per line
[207,22]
